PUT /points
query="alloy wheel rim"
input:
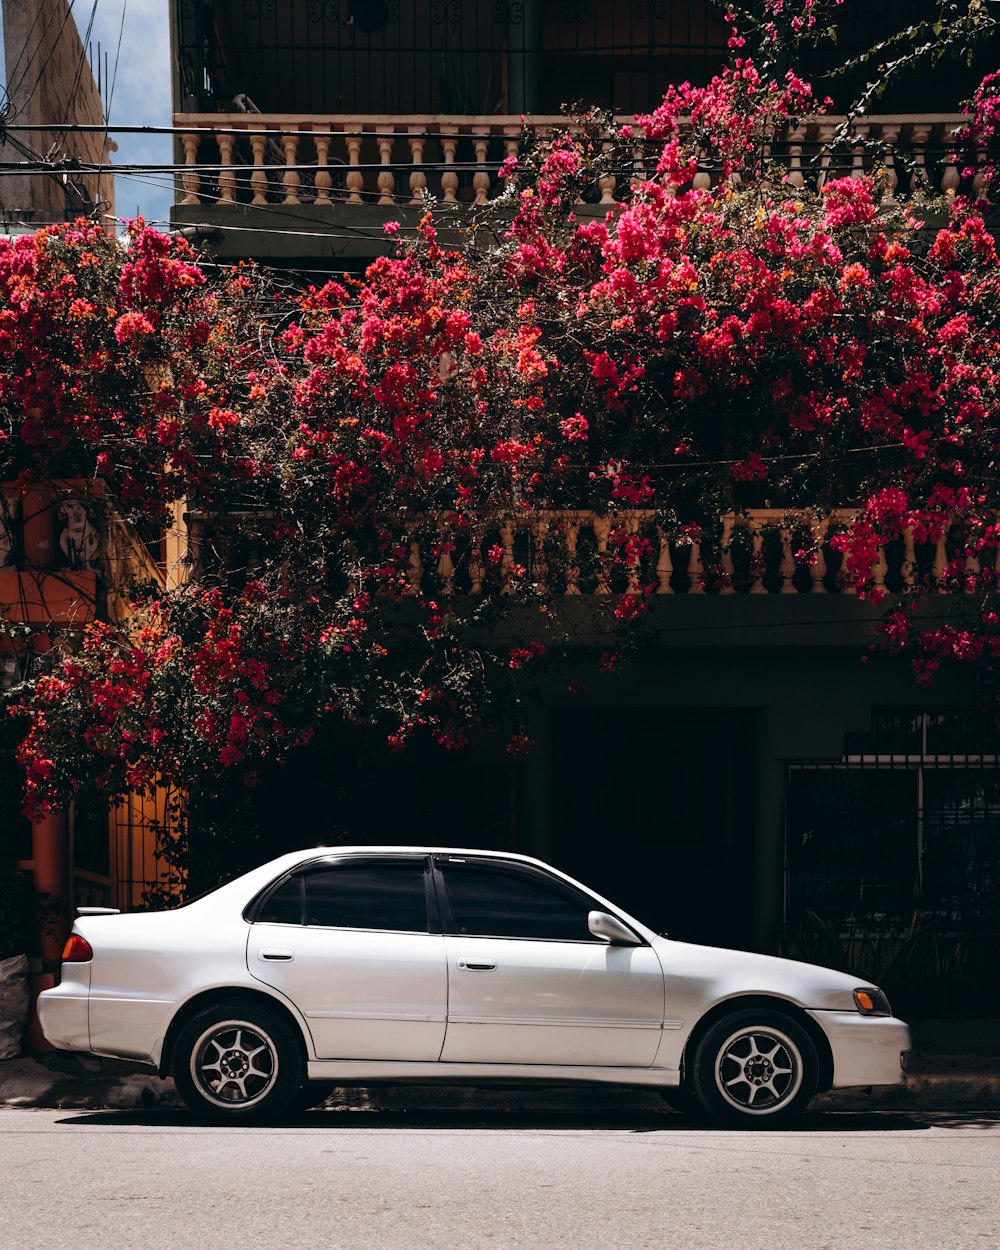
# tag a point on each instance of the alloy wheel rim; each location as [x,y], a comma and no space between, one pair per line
[234,1064]
[758,1071]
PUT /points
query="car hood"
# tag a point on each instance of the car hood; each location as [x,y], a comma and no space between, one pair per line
[717,973]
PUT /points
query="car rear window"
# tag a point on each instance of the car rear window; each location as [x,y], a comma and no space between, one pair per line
[368,896]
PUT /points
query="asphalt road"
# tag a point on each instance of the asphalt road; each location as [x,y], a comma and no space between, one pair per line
[461,1181]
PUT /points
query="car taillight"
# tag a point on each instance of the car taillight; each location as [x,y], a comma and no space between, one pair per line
[77,950]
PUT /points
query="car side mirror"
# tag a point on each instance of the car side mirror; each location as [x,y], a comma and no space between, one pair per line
[611,929]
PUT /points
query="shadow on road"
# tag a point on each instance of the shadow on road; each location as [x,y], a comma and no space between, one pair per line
[520,1120]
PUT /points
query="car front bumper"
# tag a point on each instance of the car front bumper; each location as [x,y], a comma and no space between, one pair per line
[867,1050]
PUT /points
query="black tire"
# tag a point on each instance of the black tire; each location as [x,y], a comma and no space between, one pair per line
[237,1063]
[755,1069]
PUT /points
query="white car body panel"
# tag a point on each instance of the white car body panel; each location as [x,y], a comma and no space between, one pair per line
[513,1000]
[550,1010]
[365,994]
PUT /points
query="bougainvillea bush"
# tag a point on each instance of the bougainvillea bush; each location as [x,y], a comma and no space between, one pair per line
[386,468]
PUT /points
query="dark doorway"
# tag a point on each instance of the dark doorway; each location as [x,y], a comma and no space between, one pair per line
[654,809]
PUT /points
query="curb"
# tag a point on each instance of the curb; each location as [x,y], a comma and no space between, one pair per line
[75,1083]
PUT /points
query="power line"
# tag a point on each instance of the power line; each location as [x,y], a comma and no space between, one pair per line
[71,100]
[11,85]
[107,112]
[51,53]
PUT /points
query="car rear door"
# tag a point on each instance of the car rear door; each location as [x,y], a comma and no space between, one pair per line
[527,981]
[349,942]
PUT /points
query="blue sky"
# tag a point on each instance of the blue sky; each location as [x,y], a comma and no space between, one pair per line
[141,94]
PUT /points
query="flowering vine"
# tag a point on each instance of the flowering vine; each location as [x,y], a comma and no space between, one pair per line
[387,469]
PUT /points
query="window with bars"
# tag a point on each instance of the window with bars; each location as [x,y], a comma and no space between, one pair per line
[908,820]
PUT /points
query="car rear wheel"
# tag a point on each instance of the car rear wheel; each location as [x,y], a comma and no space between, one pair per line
[755,1069]
[237,1063]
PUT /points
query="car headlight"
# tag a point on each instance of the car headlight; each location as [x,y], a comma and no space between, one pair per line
[872,1002]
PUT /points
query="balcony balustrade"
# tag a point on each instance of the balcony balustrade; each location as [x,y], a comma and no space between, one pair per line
[273,159]
[574,552]
[764,551]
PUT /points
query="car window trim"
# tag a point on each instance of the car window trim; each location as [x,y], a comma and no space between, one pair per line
[515,869]
[253,909]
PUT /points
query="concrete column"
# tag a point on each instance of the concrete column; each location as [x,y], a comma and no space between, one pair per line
[50,852]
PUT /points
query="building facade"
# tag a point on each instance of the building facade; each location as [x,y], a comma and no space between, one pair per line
[759,769]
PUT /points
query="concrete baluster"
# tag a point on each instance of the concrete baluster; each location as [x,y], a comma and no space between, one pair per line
[386,178]
[890,136]
[540,531]
[290,179]
[980,181]
[909,559]
[227,175]
[919,136]
[449,179]
[972,570]
[757,586]
[664,566]
[481,178]
[507,562]
[939,569]
[572,568]
[726,586]
[355,179]
[416,568]
[632,566]
[446,567]
[696,571]
[258,179]
[322,181]
[879,570]
[826,133]
[476,565]
[787,565]
[861,131]
[817,570]
[511,142]
[602,531]
[191,180]
[607,182]
[418,178]
[796,139]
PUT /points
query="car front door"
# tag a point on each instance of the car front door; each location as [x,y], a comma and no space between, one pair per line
[527,981]
[349,943]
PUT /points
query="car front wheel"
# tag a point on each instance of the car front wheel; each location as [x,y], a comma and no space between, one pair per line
[755,1069]
[237,1063]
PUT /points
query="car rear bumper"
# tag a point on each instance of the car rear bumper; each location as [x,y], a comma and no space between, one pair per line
[867,1050]
[64,1015]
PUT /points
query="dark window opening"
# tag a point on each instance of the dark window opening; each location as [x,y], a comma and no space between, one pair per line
[499,902]
[368,896]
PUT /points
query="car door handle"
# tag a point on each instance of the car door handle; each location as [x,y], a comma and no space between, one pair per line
[274,955]
[475,965]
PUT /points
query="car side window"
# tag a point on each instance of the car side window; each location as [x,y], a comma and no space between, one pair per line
[368,896]
[283,905]
[501,902]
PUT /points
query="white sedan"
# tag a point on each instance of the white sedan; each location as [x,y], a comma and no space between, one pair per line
[363,964]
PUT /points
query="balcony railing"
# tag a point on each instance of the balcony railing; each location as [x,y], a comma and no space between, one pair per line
[764,551]
[271,159]
[572,552]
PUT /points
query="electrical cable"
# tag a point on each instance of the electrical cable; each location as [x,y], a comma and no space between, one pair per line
[15,68]
[51,53]
[107,114]
[71,99]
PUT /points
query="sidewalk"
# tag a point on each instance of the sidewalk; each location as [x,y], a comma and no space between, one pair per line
[934,1083]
